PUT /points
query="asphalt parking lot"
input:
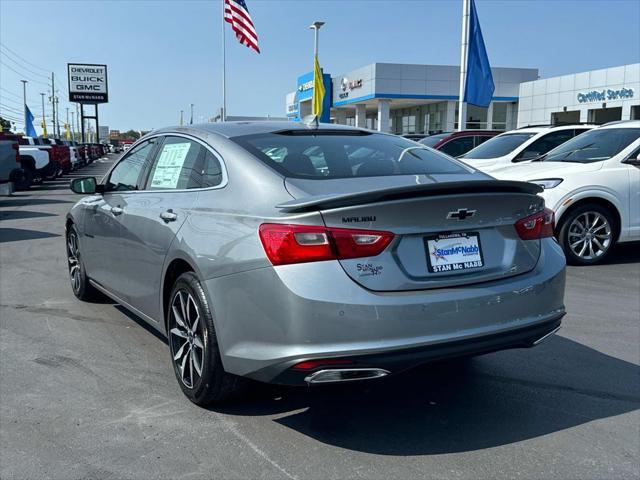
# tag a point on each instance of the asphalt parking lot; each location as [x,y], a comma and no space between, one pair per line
[87,392]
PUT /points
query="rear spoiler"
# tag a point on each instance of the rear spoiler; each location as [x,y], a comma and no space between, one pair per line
[325,202]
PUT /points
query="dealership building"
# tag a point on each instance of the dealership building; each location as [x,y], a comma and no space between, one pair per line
[407,99]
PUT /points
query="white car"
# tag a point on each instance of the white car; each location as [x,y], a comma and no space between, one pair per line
[520,145]
[592,183]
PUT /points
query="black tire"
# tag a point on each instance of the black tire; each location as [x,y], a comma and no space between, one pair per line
[80,285]
[569,234]
[22,179]
[213,384]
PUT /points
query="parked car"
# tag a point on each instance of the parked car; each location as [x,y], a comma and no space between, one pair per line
[380,256]
[37,161]
[74,154]
[520,145]
[592,182]
[11,173]
[458,143]
[60,153]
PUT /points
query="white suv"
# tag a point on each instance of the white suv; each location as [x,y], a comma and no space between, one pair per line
[592,183]
[520,145]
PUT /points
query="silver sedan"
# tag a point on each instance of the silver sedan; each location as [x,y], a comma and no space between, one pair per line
[294,254]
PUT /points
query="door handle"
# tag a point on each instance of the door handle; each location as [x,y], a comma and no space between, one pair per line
[169,216]
[116,210]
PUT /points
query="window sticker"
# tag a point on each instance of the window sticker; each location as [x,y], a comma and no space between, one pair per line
[169,166]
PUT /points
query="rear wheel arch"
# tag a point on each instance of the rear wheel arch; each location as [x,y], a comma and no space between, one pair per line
[602,202]
[28,162]
[177,267]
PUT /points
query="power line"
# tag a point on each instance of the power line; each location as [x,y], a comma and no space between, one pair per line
[22,75]
[22,66]
[23,59]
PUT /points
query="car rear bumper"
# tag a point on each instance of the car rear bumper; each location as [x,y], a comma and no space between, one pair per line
[269,319]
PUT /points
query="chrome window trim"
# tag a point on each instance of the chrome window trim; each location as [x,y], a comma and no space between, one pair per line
[223,167]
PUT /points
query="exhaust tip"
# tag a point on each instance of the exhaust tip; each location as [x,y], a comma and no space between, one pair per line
[345,375]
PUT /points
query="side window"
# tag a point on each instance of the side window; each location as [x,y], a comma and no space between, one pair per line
[126,175]
[544,144]
[457,146]
[184,164]
[481,139]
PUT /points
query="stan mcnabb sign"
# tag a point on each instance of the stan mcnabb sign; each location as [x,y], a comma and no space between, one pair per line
[87,83]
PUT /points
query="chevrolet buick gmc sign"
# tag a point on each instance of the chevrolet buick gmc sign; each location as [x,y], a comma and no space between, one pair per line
[87,83]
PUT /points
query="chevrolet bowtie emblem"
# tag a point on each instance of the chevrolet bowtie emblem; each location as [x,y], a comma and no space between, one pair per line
[461,214]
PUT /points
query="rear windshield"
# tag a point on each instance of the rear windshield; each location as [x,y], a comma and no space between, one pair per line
[341,155]
[594,146]
[431,140]
[498,146]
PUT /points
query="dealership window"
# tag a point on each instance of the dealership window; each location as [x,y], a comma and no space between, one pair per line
[351,121]
[408,124]
[476,117]
[635,112]
[499,121]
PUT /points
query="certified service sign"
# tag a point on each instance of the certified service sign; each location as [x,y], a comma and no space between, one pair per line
[87,83]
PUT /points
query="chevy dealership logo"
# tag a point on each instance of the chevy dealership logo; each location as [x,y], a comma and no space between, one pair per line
[461,214]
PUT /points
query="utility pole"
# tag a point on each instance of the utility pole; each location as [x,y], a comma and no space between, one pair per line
[66,125]
[44,119]
[24,106]
[181,119]
[53,103]
[77,119]
[191,118]
[73,127]
[58,116]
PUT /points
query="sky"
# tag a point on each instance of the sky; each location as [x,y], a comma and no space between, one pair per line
[163,55]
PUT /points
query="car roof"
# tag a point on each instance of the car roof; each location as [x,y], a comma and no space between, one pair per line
[622,124]
[235,129]
[548,128]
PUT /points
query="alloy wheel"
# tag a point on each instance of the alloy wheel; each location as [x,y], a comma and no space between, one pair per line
[186,337]
[73,256]
[589,235]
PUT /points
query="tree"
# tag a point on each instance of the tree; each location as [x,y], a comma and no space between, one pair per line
[5,125]
[131,135]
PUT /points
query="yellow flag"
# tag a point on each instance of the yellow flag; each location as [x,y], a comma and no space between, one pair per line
[44,128]
[67,132]
[318,89]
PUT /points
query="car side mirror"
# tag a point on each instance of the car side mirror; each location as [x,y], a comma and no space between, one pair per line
[85,185]
[633,161]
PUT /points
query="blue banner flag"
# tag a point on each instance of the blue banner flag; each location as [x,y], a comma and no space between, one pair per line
[28,128]
[479,85]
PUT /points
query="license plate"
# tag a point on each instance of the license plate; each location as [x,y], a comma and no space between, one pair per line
[453,252]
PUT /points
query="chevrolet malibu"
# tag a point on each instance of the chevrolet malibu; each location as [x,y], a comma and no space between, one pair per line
[303,255]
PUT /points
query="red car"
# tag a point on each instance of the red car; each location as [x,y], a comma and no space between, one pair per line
[458,143]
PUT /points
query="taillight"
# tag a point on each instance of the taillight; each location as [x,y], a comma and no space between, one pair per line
[538,225]
[285,244]
[16,147]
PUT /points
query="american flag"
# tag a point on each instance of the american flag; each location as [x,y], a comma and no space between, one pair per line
[237,14]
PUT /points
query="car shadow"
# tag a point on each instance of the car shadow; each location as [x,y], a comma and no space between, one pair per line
[463,406]
[22,214]
[139,321]
[23,201]
[624,253]
[17,234]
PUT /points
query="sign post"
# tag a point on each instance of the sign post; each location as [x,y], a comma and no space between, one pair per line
[88,86]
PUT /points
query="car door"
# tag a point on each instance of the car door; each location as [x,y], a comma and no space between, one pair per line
[103,255]
[634,196]
[153,217]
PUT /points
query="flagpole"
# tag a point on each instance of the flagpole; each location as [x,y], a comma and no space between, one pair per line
[24,107]
[464,55]
[223,115]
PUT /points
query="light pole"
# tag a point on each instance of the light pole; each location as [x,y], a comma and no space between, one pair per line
[24,106]
[44,119]
[181,118]
[316,26]
[57,118]
[73,127]
[191,118]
